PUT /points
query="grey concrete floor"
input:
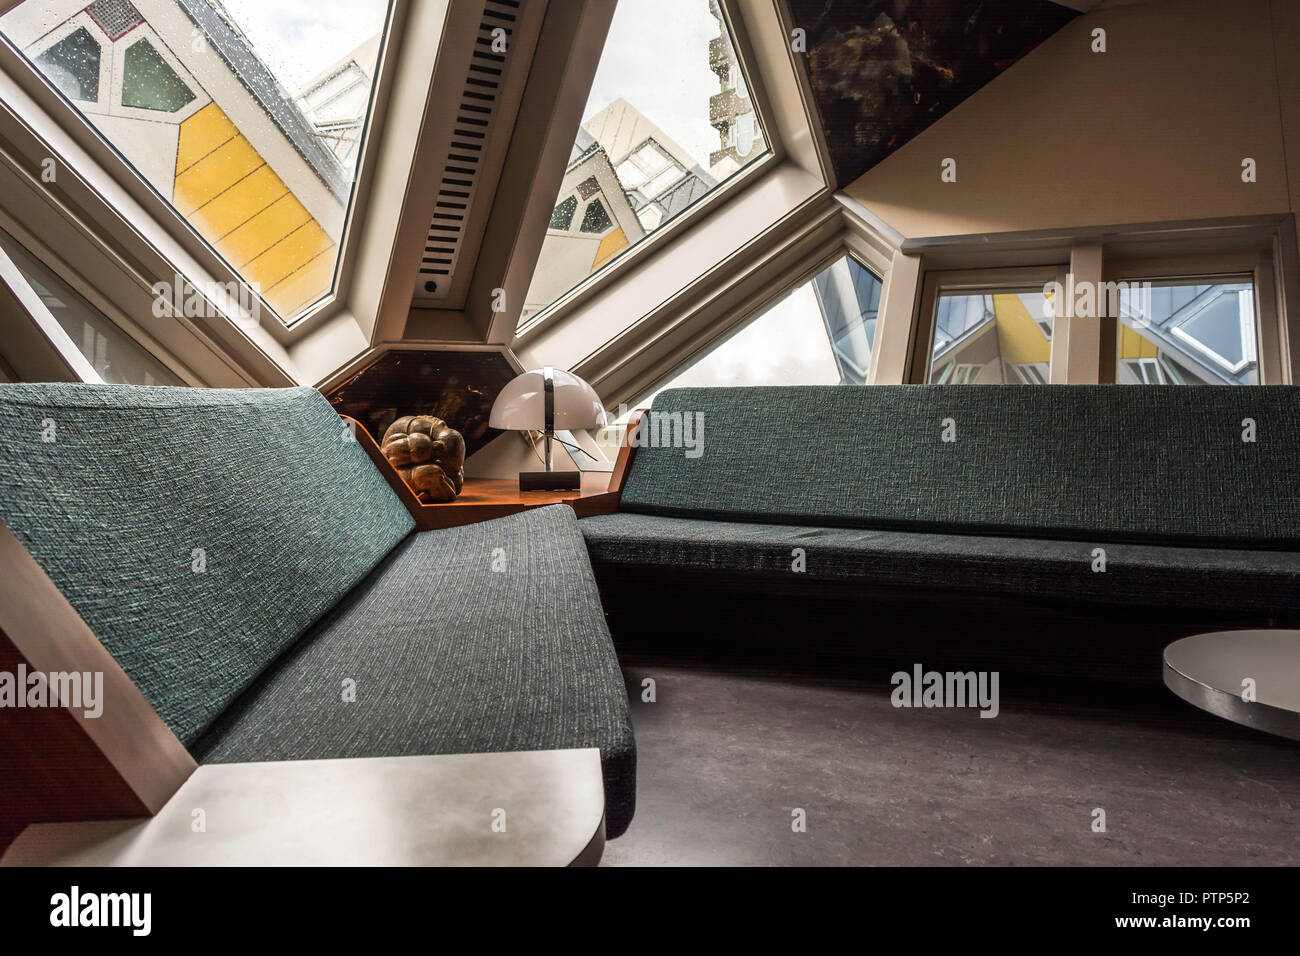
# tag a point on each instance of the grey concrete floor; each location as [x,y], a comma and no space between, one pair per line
[724,760]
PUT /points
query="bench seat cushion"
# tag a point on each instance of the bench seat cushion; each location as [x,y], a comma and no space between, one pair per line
[488,637]
[1144,465]
[1265,581]
[198,532]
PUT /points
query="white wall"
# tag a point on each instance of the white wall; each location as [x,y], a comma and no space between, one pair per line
[1155,129]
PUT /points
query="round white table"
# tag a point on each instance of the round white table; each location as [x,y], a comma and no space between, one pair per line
[1250,677]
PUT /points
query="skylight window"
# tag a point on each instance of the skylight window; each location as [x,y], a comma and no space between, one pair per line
[668,121]
[245,116]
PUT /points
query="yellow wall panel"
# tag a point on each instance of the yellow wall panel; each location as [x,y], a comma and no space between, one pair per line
[264,230]
[1019,337]
[609,247]
[214,174]
[294,250]
[201,134]
[1134,345]
[238,204]
[236,201]
[304,286]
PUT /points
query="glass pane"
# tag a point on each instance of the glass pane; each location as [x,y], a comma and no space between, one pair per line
[246,116]
[148,83]
[993,338]
[1187,333]
[72,64]
[116,356]
[668,121]
[821,333]
[562,217]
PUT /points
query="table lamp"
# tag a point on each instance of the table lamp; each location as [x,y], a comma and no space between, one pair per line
[543,400]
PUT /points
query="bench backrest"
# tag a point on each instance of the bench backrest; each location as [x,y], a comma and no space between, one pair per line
[1113,462]
[198,532]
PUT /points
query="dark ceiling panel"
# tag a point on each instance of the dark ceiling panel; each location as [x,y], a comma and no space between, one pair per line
[884,70]
[458,387]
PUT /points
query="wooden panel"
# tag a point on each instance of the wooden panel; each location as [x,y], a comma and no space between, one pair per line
[125,760]
[50,771]
[456,386]
[623,464]
[482,499]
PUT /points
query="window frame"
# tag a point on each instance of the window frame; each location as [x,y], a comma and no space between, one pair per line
[996,281]
[1227,267]
[625,260]
[106,170]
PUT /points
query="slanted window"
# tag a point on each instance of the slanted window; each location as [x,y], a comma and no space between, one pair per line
[249,121]
[656,136]
[819,333]
[991,338]
[149,83]
[116,357]
[1188,332]
[72,65]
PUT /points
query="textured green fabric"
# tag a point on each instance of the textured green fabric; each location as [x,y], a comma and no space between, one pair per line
[1130,463]
[1264,582]
[288,514]
[484,638]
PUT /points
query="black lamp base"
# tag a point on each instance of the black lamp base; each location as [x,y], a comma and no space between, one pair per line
[550,481]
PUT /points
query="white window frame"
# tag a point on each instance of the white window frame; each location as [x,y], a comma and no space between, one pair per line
[1255,267]
[976,282]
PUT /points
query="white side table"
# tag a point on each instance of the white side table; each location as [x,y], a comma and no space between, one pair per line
[1212,670]
[537,808]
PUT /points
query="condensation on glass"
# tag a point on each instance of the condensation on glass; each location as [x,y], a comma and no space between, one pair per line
[246,116]
[668,121]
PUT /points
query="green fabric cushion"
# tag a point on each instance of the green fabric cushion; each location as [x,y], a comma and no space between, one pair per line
[289,515]
[1258,582]
[453,651]
[1129,463]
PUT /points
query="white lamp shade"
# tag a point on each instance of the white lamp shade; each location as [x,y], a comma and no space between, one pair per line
[521,405]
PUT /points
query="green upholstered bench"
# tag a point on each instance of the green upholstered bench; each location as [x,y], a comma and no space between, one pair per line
[1012,493]
[258,580]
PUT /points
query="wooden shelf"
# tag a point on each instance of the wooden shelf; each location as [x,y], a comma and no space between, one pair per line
[482,499]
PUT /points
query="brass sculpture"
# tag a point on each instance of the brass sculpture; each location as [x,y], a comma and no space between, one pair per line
[428,454]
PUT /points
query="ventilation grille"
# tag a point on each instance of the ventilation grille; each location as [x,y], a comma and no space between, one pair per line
[462,172]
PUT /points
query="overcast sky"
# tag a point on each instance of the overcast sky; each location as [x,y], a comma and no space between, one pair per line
[297,39]
[657,58]
[786,345]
